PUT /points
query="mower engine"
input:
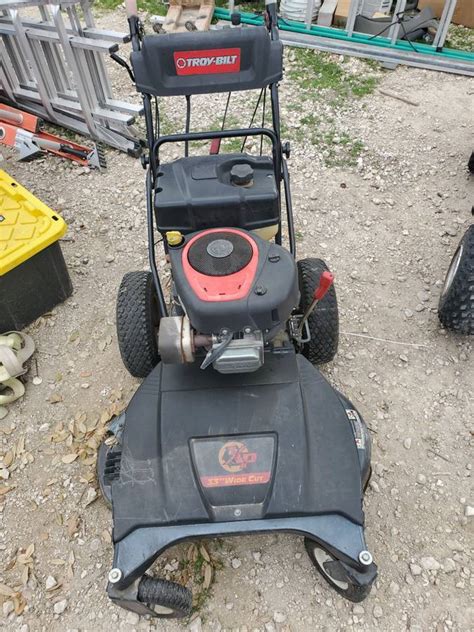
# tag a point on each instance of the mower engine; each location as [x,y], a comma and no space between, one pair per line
[236,292]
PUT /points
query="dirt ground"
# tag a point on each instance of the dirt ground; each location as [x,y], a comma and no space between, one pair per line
[387,221]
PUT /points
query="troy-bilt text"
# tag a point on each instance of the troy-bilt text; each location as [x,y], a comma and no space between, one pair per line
[213,61]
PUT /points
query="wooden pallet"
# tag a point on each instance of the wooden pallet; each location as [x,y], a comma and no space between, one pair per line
[182,12]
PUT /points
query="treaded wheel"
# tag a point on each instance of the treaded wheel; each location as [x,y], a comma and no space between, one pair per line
[456,304]
[324,321]
[137,323]
[168,598]
[334,573]
[105,488]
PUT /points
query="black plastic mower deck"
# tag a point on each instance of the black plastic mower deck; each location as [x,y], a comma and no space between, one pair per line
[209,454]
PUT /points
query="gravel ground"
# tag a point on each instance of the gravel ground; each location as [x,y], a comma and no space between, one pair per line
[383,195]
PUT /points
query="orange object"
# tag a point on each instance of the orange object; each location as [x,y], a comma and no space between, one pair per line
[13,116]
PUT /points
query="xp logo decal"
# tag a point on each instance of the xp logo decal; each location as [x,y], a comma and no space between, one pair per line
[207,62]
[234,461]
[234,456]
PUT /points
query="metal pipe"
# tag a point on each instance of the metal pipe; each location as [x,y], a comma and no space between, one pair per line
[444,23]
[151,244]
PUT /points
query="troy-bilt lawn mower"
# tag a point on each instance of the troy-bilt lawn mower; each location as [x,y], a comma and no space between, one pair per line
[233,431]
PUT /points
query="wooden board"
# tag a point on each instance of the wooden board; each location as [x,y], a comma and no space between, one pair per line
[182,11]
[463,13]
[326,12]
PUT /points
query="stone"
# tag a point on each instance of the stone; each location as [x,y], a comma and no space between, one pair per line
[8,607]
[358,609]
[279,617]
[50,582]
[454,545]
[133,618]
[60,606]
[468,511]
[449,565]
[394,588]
[407,443]
[430,564]
[424,297]
[374,485]
[377,612]
[195,625]
[415,569]
[236,563]
[89,496]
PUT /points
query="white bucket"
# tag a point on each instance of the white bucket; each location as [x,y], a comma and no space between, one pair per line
[296,9]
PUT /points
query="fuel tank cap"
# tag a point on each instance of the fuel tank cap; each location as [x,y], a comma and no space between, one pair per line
[241,175]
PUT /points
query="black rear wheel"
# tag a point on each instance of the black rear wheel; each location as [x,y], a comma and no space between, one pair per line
[333,571]
[456,304]
[324,321]
[167,599]
[138,318]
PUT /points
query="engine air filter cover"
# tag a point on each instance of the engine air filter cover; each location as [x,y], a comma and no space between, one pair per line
[229,278]
[220,253]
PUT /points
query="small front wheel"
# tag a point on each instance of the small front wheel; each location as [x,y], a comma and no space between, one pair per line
[334,573]
[167,599]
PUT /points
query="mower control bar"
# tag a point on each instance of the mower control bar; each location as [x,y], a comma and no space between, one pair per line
[212,135]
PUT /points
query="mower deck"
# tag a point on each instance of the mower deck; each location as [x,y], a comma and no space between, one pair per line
[203,454]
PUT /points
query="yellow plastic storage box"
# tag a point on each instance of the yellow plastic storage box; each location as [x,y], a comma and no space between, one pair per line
[33,273]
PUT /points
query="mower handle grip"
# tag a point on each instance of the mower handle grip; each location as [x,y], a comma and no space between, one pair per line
[131,8]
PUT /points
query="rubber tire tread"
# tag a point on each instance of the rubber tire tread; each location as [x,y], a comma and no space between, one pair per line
[456,306]
[168,594]
[137,321]
[354,593]
[324,321]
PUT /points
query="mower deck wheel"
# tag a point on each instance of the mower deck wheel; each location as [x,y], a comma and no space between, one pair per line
[456,304]
[324,321]
[138,319]
[168,599]
[334,573]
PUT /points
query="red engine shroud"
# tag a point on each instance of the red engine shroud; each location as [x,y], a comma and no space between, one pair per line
[232,287]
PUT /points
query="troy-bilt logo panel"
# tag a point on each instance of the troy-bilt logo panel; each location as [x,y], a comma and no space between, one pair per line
[207,62]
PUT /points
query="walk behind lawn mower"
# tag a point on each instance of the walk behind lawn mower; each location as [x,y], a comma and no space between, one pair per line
[233,430]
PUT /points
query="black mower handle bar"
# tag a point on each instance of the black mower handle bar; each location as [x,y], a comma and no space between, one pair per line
[228,133]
